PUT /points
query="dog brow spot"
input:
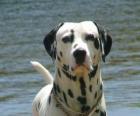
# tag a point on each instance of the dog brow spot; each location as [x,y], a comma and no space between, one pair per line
[72,35]
[69,39]
[90,37]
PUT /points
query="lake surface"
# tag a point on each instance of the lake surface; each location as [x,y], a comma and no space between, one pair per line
[23,25]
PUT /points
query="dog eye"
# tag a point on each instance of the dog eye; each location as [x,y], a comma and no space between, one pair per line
[90,37]
[67,39]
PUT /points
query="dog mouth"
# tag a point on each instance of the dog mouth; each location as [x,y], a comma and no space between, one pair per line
[81,69]
[81,66]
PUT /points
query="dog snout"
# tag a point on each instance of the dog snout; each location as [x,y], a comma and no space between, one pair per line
[79,56]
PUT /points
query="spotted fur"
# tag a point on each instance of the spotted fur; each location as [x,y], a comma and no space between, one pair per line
[77,89]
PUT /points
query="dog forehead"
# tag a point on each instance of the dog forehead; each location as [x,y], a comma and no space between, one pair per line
[85,27]
[89,27]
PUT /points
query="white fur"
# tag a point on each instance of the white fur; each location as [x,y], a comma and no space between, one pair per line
[43,97]
[42,70]
[80,29]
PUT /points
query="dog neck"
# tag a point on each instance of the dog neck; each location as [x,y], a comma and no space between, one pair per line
[79,93]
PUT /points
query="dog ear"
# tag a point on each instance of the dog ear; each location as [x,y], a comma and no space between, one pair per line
[50,41]
[105,41]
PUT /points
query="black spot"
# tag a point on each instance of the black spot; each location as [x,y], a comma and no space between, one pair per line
[102,113]
[57,105]
[54,88]
[89,37]
[72,31]
[61,54]
[66,67]
[72,69]
[58,58]
[82,86]
[73,78]
[59,73]
[60,99]
[67,39]
[97,110]
[75,46]
[58,89]
[49,99]
[70,93]
[93,72]
[101,87]
[85,108]
[38,107]
[72,35]
[65,98]
[97,81]
[82,100]
[95,96]
[90,88]
[69,76]
[96,43]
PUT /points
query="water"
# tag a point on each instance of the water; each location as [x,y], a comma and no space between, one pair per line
[23,25]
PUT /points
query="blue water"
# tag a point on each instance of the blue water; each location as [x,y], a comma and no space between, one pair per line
[23,25]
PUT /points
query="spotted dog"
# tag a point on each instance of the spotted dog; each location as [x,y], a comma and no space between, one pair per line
[77,89]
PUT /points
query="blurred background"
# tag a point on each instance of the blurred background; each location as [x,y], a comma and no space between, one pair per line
[23,25]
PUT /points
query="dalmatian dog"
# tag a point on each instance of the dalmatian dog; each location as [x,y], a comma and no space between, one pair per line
[77,88]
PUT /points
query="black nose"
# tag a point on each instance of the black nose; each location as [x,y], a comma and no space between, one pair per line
[79,56]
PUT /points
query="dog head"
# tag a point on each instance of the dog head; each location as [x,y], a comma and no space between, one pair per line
[78,45]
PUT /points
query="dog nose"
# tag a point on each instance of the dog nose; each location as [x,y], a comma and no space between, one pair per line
[79,56]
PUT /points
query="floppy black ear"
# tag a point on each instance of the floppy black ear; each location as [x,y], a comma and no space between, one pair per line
[105,42]
[49,41]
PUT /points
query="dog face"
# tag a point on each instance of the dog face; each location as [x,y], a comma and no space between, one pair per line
[78,45]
